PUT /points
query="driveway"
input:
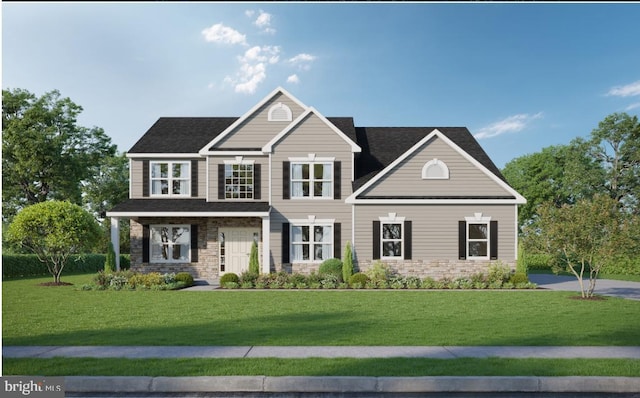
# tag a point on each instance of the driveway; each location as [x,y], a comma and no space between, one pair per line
[604,287]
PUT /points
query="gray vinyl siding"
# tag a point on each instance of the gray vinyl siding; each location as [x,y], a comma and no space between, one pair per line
[214,161]
[257,130]
[464,177]
[311,136]
[435,228]
[137,181]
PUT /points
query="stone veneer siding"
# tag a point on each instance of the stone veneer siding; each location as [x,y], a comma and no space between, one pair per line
[436,269]
[207,266]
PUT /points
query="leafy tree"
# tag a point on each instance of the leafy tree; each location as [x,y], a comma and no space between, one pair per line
[54,230]
[45,153]
[107,185]
[583,236]
[558,174]
[615,145]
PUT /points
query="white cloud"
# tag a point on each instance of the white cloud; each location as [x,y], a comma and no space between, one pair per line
[293,79]
[302,61]
[249,13]
[219,33]
[511,124]
[263,21]
[253,68]
[632,106]
[629,90]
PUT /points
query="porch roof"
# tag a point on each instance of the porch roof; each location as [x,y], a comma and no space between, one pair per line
[188,208]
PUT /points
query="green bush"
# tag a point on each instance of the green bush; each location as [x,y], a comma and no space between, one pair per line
[379,272]
[358,280]
[254,263]
[332,266]
[347,263]
[229,277]
[498,272]
[184,277]
[518,278]
[110,260]
[538,261]
[24,265]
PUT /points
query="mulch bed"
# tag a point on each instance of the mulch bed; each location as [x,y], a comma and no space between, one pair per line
[55,284]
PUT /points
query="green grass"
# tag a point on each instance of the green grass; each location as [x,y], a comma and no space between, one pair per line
[322,367]
[36,315]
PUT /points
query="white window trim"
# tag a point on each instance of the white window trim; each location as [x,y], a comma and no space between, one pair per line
[310,222]
[170,179]
[170,260]
[311,160]
[391,218]
[435,162]
[277,107]
[478,218]
[239,160]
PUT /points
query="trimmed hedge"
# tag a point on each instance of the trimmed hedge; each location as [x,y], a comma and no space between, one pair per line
[21,265]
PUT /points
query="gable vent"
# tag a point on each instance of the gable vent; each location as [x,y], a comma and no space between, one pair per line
[280,113]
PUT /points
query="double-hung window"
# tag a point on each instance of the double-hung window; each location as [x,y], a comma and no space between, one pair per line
[170,243]
[478,239]
[311,179]
[238,180]
[312,242]
[391,239]
[170,178]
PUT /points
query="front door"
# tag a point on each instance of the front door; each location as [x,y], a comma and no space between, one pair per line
[235,249]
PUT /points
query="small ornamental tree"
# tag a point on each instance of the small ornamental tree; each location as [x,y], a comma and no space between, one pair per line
[110,260]
[254,264]
[347,263]
[54,230]
[584,236]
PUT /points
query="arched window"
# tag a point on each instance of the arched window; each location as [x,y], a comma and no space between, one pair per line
[279,113]
[435,170]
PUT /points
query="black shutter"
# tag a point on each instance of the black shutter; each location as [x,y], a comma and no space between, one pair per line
[145,178]
[376,240]
[194,178]
[337,240]
[286,180]
[145,243]
[337,183]
[493,236]
[462,240]
[221,181]
[194,243]
[285,243]
[407,240]
[257,192]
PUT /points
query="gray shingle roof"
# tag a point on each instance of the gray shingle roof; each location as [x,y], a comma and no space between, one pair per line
[187,206]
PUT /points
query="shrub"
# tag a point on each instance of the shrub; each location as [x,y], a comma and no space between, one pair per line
[518,278]
[412,282]
[358,280]
[332,266]
[538,261]
[498,272]
[229,277]
[379,272]
[184,277]
[347,263]
[397,282]
[248,278]
[110,260]
[254,263]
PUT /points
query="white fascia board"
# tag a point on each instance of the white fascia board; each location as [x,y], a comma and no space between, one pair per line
[130,214]
[269,146]
[244,117]
[436,133]
[163,155]
[515,201]
[236,153]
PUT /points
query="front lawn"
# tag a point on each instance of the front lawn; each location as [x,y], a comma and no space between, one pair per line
[36,315]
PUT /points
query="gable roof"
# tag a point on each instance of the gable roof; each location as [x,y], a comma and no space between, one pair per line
[381,146]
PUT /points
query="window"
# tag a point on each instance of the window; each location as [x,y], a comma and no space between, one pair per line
[170,243]
[170,178]
[435,170]
[311,242]
[311,179]
[279,113]
[238,181]
[391,240]
[478,240]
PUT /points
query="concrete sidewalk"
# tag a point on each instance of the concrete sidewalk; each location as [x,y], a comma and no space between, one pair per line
[440,352]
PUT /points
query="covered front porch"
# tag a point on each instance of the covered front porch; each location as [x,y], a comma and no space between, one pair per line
[205,239]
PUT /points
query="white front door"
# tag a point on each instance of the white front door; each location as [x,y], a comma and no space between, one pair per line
[235,249]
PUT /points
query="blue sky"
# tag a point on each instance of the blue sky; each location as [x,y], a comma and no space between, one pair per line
[521,76]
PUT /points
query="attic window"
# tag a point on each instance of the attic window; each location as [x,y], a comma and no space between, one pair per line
[279,113]
[435,170]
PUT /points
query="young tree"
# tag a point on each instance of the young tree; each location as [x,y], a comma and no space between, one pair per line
[45,153]
[254,263]
[54,230]
[347,263]
[583,235]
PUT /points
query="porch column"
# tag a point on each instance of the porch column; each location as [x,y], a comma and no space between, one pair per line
[266,246]
[115,239]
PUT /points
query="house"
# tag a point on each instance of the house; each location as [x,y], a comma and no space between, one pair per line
[427,201]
